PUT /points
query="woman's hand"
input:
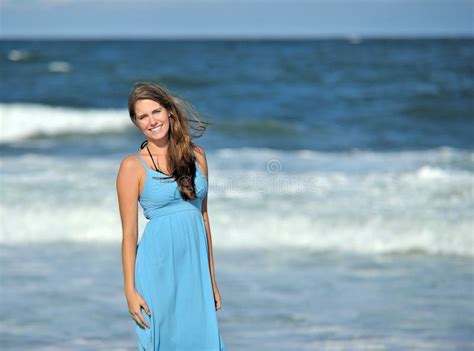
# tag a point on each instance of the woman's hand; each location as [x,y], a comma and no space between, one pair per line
[135,304]
[217,298]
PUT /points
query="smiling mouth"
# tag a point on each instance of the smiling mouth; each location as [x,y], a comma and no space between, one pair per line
[156,128]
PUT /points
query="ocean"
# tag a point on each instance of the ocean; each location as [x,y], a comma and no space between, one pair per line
[340,189]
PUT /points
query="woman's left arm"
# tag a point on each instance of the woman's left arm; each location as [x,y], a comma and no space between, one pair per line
[205,216]
[202,161]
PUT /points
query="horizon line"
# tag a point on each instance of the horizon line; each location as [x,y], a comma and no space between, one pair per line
[242,37]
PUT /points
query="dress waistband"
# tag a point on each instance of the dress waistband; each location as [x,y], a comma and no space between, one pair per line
[169,210]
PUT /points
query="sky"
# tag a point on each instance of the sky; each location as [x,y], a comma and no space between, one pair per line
[234,18]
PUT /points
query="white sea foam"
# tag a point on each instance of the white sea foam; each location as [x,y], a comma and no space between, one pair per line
[25,120]
[19,55]
[365,202]
[59,67]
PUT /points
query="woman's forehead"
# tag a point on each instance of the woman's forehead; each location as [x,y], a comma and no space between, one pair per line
[146,104]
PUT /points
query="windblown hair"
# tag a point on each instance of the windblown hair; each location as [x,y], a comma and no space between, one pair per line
[186,124]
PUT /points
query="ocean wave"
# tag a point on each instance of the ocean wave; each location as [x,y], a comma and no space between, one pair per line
[23,121]
[17,55]
[365,202]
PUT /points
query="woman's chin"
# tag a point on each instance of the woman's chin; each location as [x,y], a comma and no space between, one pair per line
[156,137]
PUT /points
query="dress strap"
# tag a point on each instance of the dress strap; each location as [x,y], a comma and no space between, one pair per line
[143,162]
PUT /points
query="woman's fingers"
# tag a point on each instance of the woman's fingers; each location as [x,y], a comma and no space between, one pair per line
[135,303]
[138,317]
[217,300]
[146,308]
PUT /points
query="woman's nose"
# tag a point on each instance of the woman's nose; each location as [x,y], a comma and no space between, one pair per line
[153,120]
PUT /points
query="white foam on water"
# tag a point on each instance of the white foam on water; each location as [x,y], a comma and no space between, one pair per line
[360,201]
[59,67]
[25,120]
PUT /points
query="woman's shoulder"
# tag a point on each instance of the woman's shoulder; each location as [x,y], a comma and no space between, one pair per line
[130,162]
[199,152]
[200,155]
[199,149]
[128,172]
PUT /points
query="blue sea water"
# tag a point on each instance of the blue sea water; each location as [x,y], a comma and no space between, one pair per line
[341,189]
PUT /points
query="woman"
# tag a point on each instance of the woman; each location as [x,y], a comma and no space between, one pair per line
[170,272]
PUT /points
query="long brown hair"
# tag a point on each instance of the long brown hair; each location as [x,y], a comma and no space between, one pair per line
[186,124]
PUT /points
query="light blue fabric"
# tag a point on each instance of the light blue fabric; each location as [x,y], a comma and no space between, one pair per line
[172,269]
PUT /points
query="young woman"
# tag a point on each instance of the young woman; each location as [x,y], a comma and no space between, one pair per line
[170,272]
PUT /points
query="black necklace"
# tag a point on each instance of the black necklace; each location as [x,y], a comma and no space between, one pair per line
[154,164]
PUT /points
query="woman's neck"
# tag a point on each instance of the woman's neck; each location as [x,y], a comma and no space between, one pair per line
[158,148]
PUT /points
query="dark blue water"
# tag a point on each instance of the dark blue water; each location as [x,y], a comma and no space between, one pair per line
[311,94]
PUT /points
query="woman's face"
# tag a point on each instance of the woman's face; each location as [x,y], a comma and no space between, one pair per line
[152,119]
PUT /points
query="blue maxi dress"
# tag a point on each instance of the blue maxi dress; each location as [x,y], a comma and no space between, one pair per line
[172,271]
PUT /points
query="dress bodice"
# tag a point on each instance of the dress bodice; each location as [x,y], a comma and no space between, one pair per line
[161,196]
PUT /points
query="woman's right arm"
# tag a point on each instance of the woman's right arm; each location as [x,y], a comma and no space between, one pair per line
[128,185]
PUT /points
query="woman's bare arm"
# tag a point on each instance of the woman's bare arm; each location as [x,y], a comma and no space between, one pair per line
[127,190]
[202,161]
